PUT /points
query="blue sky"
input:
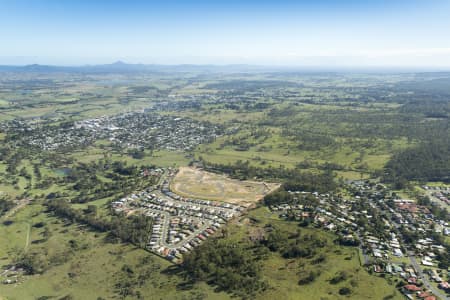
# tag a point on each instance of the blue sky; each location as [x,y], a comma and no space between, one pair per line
[312,33]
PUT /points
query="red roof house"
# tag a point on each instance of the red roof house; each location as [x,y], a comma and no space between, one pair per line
[412,288]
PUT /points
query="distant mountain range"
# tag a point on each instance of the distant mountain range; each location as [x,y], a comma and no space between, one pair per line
[122,67]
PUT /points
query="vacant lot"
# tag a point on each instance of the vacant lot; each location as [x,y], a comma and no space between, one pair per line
[196,183]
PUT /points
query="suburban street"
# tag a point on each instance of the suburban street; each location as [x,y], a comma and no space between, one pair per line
[424,278]
[180,224]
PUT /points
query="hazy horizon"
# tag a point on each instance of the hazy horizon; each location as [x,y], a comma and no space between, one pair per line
[247,66]
[324,33]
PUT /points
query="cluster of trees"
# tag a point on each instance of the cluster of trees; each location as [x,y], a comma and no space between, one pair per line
[232,267]
[245,141]
[131,278]
[429,161]
[12,156]
[309,141]
[5,205]
[298,245]
[444,258]
[311,182]
[431,109]
[281,196]
[339,277]
[295,245]
[239,143]
[423,87]
[31,263]
[308,277]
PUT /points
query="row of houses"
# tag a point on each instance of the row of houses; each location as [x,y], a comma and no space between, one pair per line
[180,223]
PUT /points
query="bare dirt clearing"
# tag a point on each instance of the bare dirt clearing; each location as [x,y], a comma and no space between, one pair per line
[196,183]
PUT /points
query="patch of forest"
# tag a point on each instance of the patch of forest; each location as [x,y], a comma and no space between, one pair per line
[429,161]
